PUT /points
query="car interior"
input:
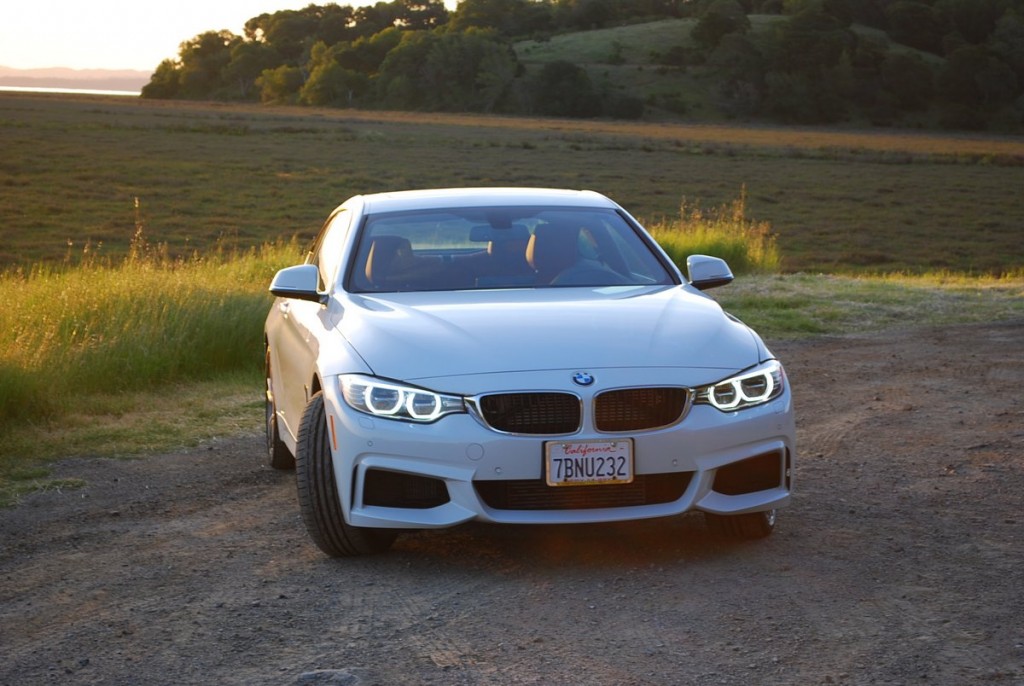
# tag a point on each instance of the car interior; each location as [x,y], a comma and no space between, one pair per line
[435,251]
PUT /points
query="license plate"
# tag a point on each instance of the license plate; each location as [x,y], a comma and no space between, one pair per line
[588,463]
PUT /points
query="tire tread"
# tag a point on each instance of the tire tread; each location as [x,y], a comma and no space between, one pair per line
[318,492]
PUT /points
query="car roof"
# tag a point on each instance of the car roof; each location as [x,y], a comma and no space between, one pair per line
[438,198]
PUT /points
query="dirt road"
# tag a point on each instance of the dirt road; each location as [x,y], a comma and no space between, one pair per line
[901,561]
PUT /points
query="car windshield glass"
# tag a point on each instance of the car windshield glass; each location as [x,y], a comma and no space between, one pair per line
[501,247]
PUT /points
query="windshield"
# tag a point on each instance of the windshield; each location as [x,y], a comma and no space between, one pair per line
[501,247]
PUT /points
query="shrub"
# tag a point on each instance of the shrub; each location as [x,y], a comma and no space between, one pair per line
[563,89]
[726,232]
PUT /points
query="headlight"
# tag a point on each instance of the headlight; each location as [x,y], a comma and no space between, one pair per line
[745,390]
[394,401]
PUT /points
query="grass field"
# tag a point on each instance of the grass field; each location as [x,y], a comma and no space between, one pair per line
[138,238]
[155,354]
[206,174]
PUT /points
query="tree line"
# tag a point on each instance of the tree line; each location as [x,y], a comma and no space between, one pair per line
[963,60]
[819,61]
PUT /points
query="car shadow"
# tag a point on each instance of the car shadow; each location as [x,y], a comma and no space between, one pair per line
[610,545]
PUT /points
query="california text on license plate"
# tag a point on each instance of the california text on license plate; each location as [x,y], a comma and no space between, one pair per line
[585,463]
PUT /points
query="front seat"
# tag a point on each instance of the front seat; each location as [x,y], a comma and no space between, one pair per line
[552,249]
[507,251]
[389,256]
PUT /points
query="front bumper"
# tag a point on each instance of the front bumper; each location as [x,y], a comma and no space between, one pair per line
[457,470]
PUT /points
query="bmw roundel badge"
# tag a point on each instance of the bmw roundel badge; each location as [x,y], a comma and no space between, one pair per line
[582,379]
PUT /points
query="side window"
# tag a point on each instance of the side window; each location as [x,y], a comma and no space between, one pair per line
[326,252]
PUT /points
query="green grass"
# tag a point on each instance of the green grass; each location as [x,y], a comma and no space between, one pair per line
[599,46]
[120,358]
[149,320]
[800,305]
[623,60]
[113,346]
[156,354]
[211,174]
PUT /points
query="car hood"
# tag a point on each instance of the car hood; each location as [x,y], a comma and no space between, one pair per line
[416,336]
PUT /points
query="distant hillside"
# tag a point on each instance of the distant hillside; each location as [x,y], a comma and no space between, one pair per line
[861,74]
[835,62]
[629,61]
[59,77]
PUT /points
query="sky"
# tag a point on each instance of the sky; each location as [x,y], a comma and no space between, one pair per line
[113,34]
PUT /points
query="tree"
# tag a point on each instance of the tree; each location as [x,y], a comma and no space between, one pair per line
[366,54]
[974,20]
[909,80]
[563,89]
[202,62]
[496,78]
[289,32]
[1007,41]
[372,19]
[508,17]
[721,17]
[973,76]
[589,14]
[399,79]
[416,15]
[443,70]
[810,42]
[449,75]
[280,85]
[916,24]
[248,60]
[165,83]
[332,85]
[740,69]
[336,24]
[812,67]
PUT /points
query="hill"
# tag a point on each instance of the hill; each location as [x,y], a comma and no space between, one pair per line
[626,61]
[630,61]
[60,77]
[822,63]
[875,80]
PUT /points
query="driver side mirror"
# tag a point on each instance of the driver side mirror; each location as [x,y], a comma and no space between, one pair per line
[299,282]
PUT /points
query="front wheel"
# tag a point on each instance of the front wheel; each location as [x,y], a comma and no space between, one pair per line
[318,492]
[749,525]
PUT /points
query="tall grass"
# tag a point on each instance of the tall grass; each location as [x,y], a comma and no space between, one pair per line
[746,244]
[92,326]
[153,353]
[69,332]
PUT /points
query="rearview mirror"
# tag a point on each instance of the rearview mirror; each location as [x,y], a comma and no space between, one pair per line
[707,272]
[299,282]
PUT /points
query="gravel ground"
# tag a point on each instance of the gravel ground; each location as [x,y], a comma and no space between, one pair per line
[900,561]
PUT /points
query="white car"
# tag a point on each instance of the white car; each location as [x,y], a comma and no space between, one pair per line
[521,356]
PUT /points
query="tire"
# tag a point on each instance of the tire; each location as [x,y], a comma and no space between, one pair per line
[748,526]
[278,455]
[318,493]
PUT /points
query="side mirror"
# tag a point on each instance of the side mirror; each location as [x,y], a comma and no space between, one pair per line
[707,272]
[299,282]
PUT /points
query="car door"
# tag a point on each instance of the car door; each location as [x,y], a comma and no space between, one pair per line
[302,324]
